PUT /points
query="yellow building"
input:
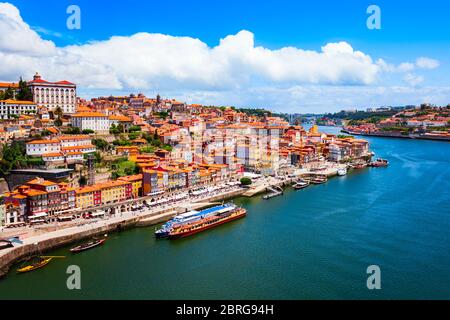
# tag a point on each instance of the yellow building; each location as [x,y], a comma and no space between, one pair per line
[136,184]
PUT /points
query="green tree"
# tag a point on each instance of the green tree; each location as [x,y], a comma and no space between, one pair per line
[134,129]
[8,94]
[100,144]
[88,131]
[246,181]
[58,122]
[82,181]
[24,91]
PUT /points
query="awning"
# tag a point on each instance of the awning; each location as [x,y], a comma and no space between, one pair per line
[98,213]
[38,215]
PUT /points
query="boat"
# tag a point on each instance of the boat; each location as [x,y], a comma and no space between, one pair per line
[319,180]
[223,216]
[342,171]
[300,185]
[88,245]
[39,263]
[187,218]
[379,163]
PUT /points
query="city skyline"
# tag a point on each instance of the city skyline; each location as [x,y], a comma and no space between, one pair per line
[283,60]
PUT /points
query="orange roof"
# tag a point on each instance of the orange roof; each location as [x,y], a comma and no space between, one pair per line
[9,84]
[43,142]
[89,114]
[74,137]
[10,101]
[135,177]
[55,154]
[120,118]
[41,182]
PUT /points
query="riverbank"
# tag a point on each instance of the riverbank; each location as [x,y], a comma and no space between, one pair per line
[51,240]
[393,134]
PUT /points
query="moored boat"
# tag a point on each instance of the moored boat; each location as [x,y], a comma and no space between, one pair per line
[342,171]
[88,245]
[38,263]
[189,218]
[300,185]
[319,180]
[225,215]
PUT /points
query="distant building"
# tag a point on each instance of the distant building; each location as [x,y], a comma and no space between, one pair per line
[62,94]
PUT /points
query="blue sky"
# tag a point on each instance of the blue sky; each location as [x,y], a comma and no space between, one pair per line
[410,30]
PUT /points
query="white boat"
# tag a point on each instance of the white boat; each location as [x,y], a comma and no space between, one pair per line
[342,171]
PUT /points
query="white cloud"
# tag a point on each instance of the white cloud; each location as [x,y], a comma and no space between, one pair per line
[145,60]
[233,72]
[427,63]
[413,79]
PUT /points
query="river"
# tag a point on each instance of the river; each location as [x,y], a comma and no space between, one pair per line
[314,243]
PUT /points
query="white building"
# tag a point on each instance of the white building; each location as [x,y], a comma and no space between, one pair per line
[39,147]
[95,121]
[60,147]
[13,107]
[62,94]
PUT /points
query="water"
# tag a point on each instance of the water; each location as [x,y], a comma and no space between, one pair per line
[314,243]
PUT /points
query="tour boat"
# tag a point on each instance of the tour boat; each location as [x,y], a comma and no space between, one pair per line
[39,263]
[300,185]
[87,245]
[189,217]
[342,171]
[222,216]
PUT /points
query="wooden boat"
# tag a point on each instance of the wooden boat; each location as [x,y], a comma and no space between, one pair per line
[319,180]
[88,245]
[300,185]
[42,261]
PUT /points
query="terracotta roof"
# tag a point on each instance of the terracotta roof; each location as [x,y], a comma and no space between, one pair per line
[43,142]
[89,114]
[10,101]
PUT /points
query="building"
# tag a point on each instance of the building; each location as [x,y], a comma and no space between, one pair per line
[40,147]
[52,95]
[5,85]
[95,121]
[39,200]
[11,108]
[136,184]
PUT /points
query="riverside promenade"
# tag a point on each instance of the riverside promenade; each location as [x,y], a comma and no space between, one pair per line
[51,240]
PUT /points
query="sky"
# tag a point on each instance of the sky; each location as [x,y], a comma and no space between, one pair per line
[286,56]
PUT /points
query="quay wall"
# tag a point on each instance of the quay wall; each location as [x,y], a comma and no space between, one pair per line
[11,255]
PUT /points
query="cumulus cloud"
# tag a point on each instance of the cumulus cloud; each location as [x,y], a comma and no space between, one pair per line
[236,71]
[145,60]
